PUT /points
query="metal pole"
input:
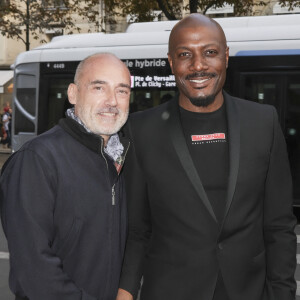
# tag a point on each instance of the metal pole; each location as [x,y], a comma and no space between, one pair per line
[27,25]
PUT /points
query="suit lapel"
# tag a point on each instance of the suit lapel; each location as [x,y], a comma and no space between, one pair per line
[182,151]
[234,148]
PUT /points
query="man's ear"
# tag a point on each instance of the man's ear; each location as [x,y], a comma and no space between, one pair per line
[72,93]
[227,56]
[170,62]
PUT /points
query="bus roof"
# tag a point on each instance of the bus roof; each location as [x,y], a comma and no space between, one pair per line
[253,21]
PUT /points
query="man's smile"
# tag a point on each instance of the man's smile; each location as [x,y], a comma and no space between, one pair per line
[199,80]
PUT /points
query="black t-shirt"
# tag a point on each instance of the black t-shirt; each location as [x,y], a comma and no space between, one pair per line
[207,140]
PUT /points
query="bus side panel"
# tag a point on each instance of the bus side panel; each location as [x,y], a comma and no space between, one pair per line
[25,104]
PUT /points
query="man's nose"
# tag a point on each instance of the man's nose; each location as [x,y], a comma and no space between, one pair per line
[111,99]
[198,63]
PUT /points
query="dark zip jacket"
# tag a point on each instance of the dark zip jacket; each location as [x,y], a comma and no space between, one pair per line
[64,215]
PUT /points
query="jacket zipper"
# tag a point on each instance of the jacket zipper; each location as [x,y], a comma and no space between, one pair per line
[113,193]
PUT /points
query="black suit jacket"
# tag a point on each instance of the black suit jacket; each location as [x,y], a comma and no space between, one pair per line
[175,241]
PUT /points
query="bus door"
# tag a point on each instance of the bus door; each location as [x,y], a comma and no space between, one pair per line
[281,89]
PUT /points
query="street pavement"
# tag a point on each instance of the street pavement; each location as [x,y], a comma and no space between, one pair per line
[5,293]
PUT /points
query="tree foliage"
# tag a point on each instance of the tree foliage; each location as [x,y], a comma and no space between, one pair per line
[241,7]
[35,16]
[290,3]
[143,10]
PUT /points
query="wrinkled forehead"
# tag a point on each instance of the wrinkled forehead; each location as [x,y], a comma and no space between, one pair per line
[105,61]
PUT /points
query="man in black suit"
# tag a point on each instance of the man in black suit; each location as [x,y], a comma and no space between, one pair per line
[209,186]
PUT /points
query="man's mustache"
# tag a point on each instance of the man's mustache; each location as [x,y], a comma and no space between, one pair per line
[200,74]
[112,110]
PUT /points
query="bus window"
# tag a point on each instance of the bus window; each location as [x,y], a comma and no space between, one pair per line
[144,99]
[53,99]
[281,89]
[261,88]
[292,130]
[25,96]
[58,100]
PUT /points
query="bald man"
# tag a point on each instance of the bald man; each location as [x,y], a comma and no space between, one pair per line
[210,198]
[62,194]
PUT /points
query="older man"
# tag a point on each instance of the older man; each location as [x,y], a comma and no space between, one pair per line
[62,194]
[210,198]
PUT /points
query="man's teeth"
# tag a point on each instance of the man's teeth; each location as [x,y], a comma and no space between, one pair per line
[199,80]
[108,114]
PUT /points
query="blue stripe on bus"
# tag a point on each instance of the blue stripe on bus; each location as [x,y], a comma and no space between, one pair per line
[268,52]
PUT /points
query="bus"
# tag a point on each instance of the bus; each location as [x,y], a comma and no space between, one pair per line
[264,66]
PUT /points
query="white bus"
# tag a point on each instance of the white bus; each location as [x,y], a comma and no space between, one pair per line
[264,66]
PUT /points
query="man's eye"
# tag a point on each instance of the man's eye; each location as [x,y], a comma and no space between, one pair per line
[123,91]
[211,52]
[184,54]
[98,88]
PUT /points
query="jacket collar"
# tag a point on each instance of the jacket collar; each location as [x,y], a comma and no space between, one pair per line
[233,125]
[90,140]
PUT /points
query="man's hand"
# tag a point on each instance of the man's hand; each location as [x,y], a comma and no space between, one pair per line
[124,295]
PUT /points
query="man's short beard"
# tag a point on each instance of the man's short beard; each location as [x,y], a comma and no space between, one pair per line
[203,101]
